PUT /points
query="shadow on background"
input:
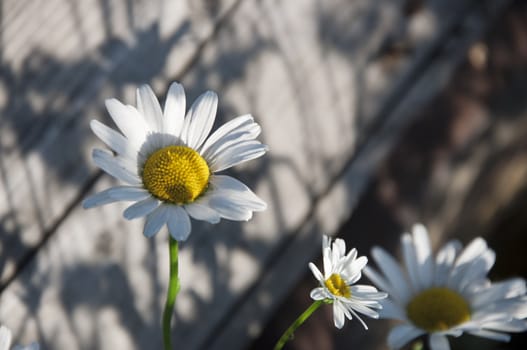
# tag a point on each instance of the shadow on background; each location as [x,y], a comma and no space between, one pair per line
[402,192]
[460,168]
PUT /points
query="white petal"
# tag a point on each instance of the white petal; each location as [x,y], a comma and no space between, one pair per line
[140,209]
[399,286]
[346,308]
[391,310]
[504,309]
[376,278]
[423,255]
[360,319]
[233,125]
[363,288]
[203,212]
[520,311]
[154,142]
[155,220]
[410,260]
[239,129]
[481,318]
[475,248]
[335,254]
[375,305]
[179,224]
[402,334]
[229,210]
[480,267]
[316,272]
[339,249]
[438,342]
[354,259]
[113,139]
[326,255]
[224,185]
[360,307]
[501,290]
[353,270]
[129,121]
[114,166]
[512,326]
[228,194]
[465,274]
[318,294]
[5,338]
[445,261]
[235,155]
[97,199]
[351,262]
[326,242]
[491,335]
[149,108]
[476,287]
[234,139]
[338,315]
[115,194]
[128,193]
[174,113]
[200,119]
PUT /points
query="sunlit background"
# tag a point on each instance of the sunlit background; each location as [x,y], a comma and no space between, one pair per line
[378,114]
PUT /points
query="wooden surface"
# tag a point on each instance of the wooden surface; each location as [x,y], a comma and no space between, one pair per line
[333,84]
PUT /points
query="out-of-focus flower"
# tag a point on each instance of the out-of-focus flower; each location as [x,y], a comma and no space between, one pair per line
[169,163]
[5,341]
[337,284]
[448,294]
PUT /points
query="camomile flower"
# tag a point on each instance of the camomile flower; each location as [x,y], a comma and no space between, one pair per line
[448,294]
[170,164]
[5,341]
[337,287]
[337,284]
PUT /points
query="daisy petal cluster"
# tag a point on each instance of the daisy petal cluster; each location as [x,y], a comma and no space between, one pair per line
[446,294]
[169,161]
[337,284]
[5,341]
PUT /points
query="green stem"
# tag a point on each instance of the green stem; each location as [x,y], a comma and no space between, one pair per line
[173,289]
[288,334]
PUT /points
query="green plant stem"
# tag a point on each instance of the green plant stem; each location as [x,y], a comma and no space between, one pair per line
[288,334]
[173,289]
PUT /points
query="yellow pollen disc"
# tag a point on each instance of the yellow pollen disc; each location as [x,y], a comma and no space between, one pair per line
[337,286]
[176,174]
[438,309]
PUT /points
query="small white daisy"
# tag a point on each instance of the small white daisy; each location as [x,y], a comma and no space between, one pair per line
[341,271]
[5,341]
[446,295]
[170,165]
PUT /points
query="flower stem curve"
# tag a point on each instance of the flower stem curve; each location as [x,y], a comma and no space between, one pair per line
[288,334]
[173,289]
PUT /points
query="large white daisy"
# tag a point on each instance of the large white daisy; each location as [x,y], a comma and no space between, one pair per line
[448,294]
[169,164]
[341,271]
[5,341]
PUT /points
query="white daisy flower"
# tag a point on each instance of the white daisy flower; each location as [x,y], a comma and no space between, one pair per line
[448,294]
[5,341]
[341,271]
[170,166]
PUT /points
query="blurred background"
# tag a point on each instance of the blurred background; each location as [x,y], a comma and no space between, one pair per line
[378,114]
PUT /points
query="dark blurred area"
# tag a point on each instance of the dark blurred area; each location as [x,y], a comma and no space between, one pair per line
[460,168]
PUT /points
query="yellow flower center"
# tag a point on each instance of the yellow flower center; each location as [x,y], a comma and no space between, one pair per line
[337,286]
[176,174]
[438,309]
